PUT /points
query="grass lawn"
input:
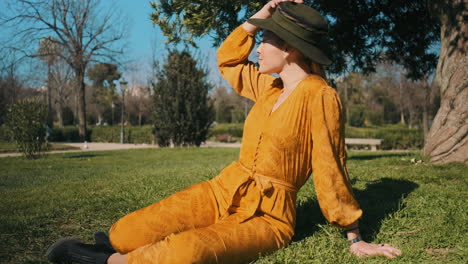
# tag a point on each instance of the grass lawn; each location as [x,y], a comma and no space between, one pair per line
[420,208]
[8,147]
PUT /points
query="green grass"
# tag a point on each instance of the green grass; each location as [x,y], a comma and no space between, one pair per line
[9,147]
[422,209]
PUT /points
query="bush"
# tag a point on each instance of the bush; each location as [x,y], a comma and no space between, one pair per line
[375,117]
[235,130]
[394,136]
[356,115]
[25,123]
[5,134]
[66,134]
[68,116]
[182,111]
[135,135]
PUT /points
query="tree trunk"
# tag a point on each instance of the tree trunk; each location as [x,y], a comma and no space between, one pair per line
[346,103]
[427,99]
[80,75]
[60,113]
[50,118]
[447,140]
[139,117]
[425,120]
[402,113]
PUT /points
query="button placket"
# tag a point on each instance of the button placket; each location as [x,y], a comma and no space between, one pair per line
[256,153]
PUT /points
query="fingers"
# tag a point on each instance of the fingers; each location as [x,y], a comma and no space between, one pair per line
[275,3]
[389,251]
[387,254]
[367,249]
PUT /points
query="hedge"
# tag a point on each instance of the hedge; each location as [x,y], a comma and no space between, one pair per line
[235,129]
[394,136]
[133,134]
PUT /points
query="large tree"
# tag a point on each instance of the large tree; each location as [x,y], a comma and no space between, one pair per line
[48,50]
[182,110]
[103,76]
[81,28]
[363,32]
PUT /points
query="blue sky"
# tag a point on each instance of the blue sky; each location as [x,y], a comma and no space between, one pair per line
[143,35]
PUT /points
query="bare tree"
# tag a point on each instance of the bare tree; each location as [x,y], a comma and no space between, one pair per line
[62,76]
[48,50]
[81,28]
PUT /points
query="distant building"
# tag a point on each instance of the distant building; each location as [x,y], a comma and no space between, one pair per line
[140,91]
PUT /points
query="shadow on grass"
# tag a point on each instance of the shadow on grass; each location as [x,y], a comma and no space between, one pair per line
[379,200]
[80,156]
[378,156]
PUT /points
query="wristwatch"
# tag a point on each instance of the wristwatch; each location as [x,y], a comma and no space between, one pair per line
[355,240]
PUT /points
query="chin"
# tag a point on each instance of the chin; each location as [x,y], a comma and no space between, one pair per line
[267,71]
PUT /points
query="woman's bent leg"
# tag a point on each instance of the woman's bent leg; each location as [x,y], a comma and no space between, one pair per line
[224,242]
[191,208]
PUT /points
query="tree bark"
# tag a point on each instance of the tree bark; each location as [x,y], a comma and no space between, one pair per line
[447,140]
[402,113]
[50,118]
[60,114]
[80,76]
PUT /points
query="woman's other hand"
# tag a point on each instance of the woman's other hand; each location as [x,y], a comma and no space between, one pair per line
[362,249]
[266,12]
[274,3]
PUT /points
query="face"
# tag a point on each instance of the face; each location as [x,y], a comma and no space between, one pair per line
[271,54]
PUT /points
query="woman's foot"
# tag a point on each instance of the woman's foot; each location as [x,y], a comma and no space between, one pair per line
[100,238]
[72,250]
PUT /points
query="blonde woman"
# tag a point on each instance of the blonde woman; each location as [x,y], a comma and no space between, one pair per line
[295,128]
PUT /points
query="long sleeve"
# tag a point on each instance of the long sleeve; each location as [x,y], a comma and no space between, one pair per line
[331,180]
[237,70]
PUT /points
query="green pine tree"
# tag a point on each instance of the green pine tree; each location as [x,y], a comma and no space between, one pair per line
[182,112]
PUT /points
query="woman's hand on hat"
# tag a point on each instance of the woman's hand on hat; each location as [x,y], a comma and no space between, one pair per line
[362,249]
[274,3]
[266,12]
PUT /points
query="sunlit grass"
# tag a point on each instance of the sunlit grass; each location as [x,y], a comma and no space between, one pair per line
[420,208]
[10,147]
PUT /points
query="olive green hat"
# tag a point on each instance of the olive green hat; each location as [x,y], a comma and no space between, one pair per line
[300,26]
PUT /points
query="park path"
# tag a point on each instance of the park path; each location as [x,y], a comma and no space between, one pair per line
[91,146]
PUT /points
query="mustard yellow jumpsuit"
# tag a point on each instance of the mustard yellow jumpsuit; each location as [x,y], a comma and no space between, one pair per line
[249,209]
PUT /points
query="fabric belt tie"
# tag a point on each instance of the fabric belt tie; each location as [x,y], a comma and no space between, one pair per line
[265,184]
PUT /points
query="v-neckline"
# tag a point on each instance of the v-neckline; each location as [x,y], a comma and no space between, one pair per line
[287,98]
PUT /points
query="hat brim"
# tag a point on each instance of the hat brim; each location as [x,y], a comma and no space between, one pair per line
[309,50]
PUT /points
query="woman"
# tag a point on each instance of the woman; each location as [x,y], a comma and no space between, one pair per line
[248,210]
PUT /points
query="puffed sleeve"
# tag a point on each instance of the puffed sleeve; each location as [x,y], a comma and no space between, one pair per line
[331,180]
[237,70]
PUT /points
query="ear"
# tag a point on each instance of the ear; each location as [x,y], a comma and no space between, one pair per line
[290,53]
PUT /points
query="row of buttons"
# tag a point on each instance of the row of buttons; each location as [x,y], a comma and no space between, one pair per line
[256,153]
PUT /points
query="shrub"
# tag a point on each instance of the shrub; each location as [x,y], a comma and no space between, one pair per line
[394,136]
[235,130]
[25,123]
[66,134]
[375,117]
[4,134]
[68,116]
[356,115]
[135,135]
[182,111]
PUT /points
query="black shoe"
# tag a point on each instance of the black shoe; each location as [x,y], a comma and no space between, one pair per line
[100,238]
[72,250]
